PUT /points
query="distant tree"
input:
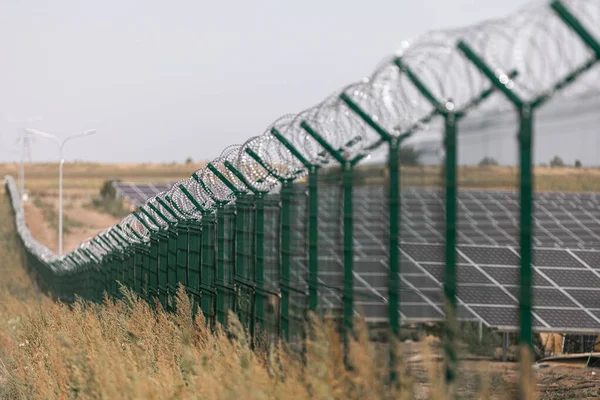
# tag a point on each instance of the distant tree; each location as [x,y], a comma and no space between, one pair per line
[410,156]
[189,160]
[557,162]
[108,191]
[487,161]
[577,164]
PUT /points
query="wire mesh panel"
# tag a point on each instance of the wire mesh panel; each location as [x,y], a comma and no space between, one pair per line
[124,274]
[226,262]
[295,300]
[182,252]
[117,273]
[163,290]
[271,241]
[153,288]
[245,258]
[194,255]
[371,244]
[141,275]
[208,267]
[172,259]
[330,269]
[423,258]
[130,277]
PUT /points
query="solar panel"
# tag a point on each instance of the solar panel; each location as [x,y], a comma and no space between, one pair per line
[138,194]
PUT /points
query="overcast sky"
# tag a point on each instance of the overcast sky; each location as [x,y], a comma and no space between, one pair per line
[162,81]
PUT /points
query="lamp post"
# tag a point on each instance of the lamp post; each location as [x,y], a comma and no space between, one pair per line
[61,145]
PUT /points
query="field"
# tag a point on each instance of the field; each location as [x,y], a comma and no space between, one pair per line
[82,182]
[125,349]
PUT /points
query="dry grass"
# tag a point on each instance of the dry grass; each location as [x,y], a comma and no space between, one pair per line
[127,349]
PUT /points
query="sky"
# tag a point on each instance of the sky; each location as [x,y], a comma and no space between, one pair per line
[163,81]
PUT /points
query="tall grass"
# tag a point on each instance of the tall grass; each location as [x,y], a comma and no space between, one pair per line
[126,349]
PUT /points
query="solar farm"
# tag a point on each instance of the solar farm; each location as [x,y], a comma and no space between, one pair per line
[566,256]
[424,202]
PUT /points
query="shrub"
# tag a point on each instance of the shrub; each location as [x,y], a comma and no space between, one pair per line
[557,162]
[488,161]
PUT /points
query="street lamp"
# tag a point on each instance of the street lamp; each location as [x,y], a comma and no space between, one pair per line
[61,145]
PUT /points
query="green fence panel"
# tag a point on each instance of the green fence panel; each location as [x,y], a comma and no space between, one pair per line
[172,259]
[271,266]
[208,270]
[130,276]
[245,259]
[140,279]
[153,263]
[164,293]
[183,237]
[225,262]
[195,252]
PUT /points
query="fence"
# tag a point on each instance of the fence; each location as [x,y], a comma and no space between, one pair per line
[297,219]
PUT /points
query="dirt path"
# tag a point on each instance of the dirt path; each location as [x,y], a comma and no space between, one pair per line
[89,222]
[39,227]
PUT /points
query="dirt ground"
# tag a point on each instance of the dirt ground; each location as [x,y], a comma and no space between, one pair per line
[89,222]
[566,382]
[552,382]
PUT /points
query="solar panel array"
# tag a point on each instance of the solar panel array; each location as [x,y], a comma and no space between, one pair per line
[562,220]
[566,256]
[138,194]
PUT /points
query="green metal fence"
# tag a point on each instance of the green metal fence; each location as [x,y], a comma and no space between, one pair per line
[272,229]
